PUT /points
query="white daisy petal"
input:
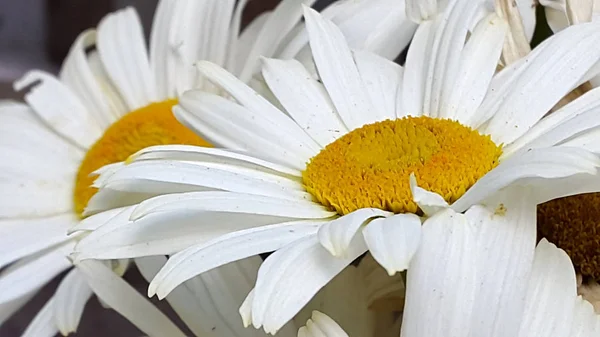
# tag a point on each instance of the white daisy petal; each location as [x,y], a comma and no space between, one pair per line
[107,199]
[419,11]
[242,42]
[477,66]
[78,75]
[43,324]
[200,31]
[162,51]
[444,63]
[321,325]
[56,105]
[29,150]
[212,155]
[441,281]
[123,52]
[392,25]
[190,176]
[305,99]
[415,71]
[549,163]
[196,303]
[340,75]
[23,199]
[269,115]
[93,222]
[393,241]
[218,201]
[30,274]
[583,124]
[69,301]
[225,249]
[585,320]
[507,235]
[17,241]
[589,101]
[124,299]
[278,25]
[290,277]
[336,235]
[551,294]
[548,73]
[429,202]
[500,86]
[165,233]
[382,80]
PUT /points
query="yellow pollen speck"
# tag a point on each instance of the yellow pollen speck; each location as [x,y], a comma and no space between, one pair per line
[148,126]
[370,166]
[573,224]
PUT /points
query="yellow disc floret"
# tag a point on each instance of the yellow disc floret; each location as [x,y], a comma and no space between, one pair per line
[148,126]
[370,166]
[573,224]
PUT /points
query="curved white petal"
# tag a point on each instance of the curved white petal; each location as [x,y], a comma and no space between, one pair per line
[305,99]
[339,74]
[58,106]
[336,235]
[282,20]
[231,125]
[79,75]
[429,202]
[199,31]
[69,301]
[547,163]
[42,325]
[506,244]
[589,101]
[382,80]
[30,150]
[419,11]
[441,280]
[547,74]
[200,303]
[35,198]
[290,277]
[30,274]
[197,176]
[415,71]
[124,299]
[219,201]
[225,249]
[479,59]
[22,237]
[393,241]
[551,294]
[122,50]
[321,325]
[448,43]
[212,155]
[585,320]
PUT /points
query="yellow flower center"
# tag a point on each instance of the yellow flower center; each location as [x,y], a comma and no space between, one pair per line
[370,166]
[148,126]
[573,224]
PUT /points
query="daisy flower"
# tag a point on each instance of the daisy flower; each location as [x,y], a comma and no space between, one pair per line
[111,99]
[525,292]
[353,160]
[571,222]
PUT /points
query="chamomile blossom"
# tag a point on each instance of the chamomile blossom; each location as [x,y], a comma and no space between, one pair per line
[356,159]
[111,99]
